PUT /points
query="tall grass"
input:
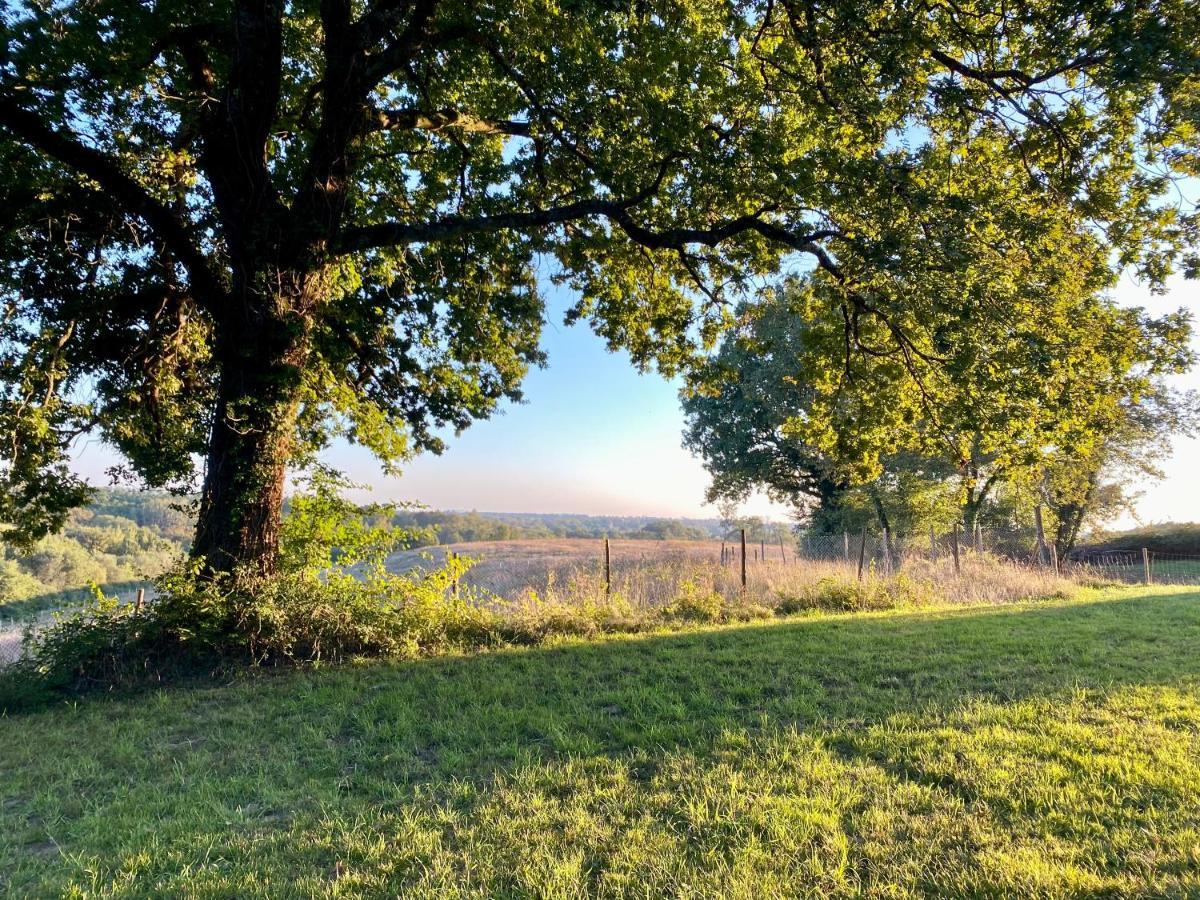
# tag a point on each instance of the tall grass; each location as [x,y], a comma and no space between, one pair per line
[659,591]
[301,618]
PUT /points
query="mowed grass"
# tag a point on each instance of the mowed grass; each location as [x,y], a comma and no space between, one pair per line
[1047,749]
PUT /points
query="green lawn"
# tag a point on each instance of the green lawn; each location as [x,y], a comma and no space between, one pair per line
[1041,749]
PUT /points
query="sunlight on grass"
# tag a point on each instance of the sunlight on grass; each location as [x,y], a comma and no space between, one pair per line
[1048,749]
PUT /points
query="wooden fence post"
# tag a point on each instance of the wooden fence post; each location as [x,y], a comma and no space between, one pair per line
[954,549]
[932,544]
[743,562]
[862,553]
[846,546]
[887,553]
[1146,565]
[782,552]
[607,570]
[454,586]
[1054,556]
[140,601]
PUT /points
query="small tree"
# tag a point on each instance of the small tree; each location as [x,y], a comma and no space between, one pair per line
[1090,485]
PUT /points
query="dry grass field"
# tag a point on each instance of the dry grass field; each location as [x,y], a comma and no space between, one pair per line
[648,574]
[507,568]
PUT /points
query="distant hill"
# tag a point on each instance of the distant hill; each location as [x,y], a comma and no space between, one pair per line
[1172,537]
[126,537]
[122,538]
[465,527]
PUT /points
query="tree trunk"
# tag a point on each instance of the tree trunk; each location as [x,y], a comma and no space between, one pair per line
[976,496]
[261,354]
[884,524]
[831,497]
[1071,516]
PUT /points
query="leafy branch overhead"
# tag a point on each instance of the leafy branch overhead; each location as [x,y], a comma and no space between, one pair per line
[263,226]
[1066,387]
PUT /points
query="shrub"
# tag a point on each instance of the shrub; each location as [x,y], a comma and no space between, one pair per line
[201,626]
[694,603]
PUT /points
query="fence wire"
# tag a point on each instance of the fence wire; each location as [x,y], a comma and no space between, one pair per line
[639,566]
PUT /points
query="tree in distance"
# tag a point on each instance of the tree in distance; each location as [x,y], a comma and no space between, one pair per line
[922,431]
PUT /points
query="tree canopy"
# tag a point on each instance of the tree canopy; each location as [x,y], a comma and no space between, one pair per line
[1037,382]
[238,229]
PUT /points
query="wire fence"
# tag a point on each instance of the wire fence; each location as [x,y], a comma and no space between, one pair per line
[885,552]
[41,612]
[643,570]
[1134,566]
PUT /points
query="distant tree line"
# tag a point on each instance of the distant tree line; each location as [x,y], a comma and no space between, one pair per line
[466,527]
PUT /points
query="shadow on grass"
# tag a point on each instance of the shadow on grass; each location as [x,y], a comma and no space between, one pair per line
[614,694]
[324,755]
[660,689]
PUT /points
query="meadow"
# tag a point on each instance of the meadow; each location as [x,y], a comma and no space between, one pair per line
[649,575]
[1031,749]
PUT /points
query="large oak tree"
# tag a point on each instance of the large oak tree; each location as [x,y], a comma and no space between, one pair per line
[235,229]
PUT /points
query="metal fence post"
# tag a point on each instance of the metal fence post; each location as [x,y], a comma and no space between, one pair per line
[954,549]
[743,562]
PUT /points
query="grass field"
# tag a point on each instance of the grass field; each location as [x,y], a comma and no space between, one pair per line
[1033,749]
[507,568]
[652,574]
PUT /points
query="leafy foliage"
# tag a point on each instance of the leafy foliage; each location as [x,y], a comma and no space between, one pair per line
[238,230]
[920,427]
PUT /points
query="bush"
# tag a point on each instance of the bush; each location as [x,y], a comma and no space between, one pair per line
[694,603]
[202,626]
[845,594]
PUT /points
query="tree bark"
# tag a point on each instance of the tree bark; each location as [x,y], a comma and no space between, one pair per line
[261,351]
[1071,516]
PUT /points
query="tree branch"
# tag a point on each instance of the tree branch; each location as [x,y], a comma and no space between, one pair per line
[133,197]
[437,120]
[398,234]
[991,77]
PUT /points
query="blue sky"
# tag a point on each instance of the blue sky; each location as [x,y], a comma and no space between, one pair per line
[594,436]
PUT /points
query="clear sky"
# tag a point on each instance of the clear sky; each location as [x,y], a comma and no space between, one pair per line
[594,436]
